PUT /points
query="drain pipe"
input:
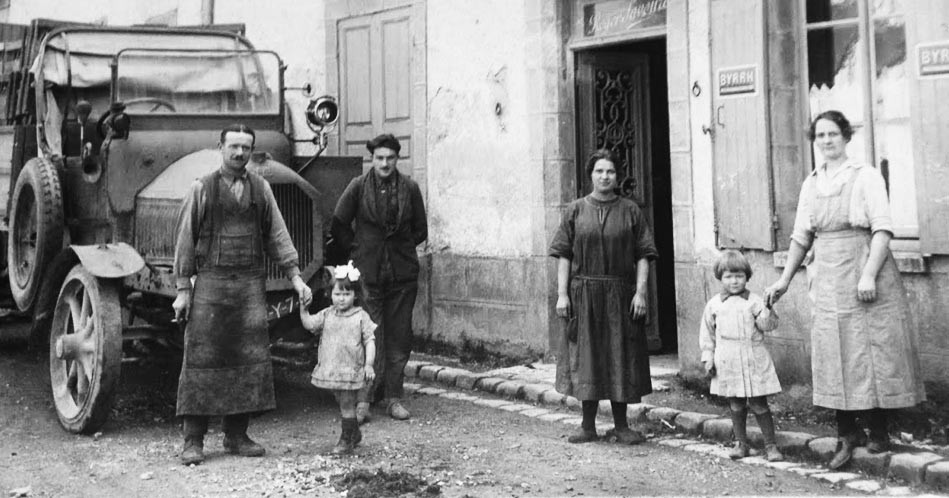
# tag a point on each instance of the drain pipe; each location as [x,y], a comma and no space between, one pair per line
[207,12]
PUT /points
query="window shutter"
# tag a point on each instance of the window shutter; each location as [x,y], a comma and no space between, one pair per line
[929,108]
[741,136]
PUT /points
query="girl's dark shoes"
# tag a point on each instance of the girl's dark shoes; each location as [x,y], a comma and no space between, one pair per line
[349,437]
[772,453]
[740,450]
[583,436]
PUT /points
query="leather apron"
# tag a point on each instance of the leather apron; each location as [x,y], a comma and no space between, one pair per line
[864,355]
[227,367]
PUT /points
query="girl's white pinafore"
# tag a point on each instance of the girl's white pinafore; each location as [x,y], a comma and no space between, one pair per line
[342,354]
[732,335]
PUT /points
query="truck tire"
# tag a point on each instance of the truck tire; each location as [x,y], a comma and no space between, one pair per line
[36,229]
[85,350]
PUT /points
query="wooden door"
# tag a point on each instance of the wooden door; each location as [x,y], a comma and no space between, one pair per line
[740,125]
[375,75]
[613,113]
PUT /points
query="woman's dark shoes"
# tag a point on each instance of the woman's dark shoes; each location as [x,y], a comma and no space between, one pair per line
[878,444]
[625,435]
[242,445]
[740,450]
[193,452]
[845,446]
[583,436]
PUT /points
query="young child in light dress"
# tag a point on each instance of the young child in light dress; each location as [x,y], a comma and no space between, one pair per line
[347,349]
[734,355]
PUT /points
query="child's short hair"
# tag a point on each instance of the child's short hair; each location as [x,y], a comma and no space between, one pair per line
[732,260]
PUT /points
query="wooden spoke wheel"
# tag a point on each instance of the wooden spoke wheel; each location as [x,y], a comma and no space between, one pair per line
[85,350]
[36,229]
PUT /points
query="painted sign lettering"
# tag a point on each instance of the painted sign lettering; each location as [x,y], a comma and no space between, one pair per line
[618,16]
[933,59]
[281,308]
[739,80]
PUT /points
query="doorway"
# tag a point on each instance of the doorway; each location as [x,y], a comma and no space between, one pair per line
[622,104]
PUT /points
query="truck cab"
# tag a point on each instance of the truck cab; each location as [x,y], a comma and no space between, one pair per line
[106,130]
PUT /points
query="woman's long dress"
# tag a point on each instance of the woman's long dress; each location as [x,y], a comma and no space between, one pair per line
[609,359]
[863,355]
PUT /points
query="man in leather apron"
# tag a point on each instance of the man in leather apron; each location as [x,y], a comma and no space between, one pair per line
[380,218]
[227,222]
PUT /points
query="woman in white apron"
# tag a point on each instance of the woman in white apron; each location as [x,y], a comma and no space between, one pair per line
[864,358]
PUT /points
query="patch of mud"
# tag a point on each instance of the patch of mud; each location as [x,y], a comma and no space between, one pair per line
[364,483]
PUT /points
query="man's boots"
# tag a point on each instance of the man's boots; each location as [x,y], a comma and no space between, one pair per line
[236,441]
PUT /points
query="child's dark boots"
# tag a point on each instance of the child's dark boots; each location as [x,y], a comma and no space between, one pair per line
[346,442]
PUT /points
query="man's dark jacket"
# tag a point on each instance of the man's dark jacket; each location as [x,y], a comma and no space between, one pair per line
[359,227]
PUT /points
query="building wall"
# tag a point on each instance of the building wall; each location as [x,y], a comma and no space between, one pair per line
[485,176]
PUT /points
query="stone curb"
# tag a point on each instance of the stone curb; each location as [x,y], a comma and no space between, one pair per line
[915,468]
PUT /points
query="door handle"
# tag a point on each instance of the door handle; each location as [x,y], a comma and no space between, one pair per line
[718,116]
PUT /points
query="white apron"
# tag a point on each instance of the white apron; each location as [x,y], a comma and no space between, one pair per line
[863,355]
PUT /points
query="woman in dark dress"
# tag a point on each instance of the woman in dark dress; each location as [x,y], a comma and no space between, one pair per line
[603,247]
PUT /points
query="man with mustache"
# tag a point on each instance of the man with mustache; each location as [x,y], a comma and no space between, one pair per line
[227,222]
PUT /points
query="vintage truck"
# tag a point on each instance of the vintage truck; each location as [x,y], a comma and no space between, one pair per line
[105,130]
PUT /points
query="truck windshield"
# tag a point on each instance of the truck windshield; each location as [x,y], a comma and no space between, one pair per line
[198,81]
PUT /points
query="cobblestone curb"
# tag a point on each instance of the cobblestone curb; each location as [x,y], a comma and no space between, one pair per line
[915,468]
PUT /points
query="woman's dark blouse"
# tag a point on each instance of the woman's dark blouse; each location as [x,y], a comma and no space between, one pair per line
[604,238]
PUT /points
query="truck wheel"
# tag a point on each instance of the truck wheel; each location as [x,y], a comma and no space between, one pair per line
[36,228]
[85,350]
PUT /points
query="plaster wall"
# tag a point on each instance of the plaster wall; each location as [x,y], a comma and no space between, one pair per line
[479,177]
[485,187]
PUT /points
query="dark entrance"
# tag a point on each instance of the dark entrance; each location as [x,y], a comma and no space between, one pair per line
[622,104]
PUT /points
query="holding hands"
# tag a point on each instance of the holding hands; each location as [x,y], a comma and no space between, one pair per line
[773,293]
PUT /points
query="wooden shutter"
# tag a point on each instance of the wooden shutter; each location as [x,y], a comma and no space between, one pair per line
[375,81]
[741,141]
[929,108]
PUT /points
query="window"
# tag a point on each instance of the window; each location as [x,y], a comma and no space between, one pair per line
[856,63]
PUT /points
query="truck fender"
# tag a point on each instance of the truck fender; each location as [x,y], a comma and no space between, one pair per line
[109,260]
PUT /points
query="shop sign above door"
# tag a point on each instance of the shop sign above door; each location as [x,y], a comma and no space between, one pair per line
[737,80]
[612,17]
[933,58]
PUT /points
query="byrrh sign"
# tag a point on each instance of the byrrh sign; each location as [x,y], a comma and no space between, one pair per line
[933,59]
[738,80]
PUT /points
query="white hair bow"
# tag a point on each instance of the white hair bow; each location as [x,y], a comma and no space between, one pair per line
[346,271]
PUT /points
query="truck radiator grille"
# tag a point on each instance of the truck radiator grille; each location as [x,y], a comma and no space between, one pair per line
[298,212]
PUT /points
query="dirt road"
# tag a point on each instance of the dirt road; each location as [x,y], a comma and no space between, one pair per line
[449,448]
